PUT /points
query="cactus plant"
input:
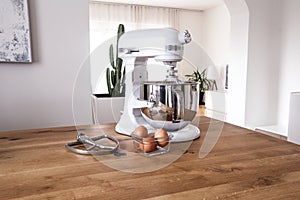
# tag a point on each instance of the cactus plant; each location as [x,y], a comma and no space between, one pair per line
[115,75]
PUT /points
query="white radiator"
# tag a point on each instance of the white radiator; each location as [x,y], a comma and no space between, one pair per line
[294,118]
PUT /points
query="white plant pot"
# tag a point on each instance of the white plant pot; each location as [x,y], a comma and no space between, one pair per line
[107,109]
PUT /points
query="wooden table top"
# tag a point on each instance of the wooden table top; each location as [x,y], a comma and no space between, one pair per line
[34,164]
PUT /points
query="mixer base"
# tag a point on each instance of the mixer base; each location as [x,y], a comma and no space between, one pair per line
[188,133]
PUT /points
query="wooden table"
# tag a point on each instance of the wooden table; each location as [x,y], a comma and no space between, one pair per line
[34,164]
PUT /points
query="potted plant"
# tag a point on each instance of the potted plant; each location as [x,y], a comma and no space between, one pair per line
[107,107]
[115,77]
[204,83]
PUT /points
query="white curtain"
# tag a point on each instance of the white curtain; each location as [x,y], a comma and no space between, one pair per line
[105,18]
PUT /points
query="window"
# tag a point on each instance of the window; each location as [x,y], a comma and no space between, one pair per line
[105,18]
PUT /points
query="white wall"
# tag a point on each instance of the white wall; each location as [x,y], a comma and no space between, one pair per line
[273,62]
[40,94]
[192,21]
[289,72]
[263,62]
[216,34]
[236,97]
[216,41]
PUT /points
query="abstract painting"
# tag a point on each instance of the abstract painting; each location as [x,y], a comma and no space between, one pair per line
[15,44]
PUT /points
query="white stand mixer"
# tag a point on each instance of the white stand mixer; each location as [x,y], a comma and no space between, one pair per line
[180,99]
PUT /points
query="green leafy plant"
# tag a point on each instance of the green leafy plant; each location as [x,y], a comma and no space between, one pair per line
[115,75]
[204,83]
[201,78]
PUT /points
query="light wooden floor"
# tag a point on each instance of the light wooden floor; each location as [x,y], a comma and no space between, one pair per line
[201,110]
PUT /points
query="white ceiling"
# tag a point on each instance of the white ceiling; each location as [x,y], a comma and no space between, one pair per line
[184,4]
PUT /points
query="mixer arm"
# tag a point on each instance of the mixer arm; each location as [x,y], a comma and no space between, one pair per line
[163,44]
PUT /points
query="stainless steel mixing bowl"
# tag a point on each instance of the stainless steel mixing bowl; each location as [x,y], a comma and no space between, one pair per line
[175,104]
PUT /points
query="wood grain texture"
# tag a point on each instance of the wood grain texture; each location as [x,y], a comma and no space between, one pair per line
[34,164]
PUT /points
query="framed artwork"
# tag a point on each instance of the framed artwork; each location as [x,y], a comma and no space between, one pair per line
[15,43]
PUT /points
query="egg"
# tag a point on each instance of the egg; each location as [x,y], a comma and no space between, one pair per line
[162,137]
[148,144]
[141,131]
[151,135]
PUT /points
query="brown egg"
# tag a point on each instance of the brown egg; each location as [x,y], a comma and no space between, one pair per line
[151,135]
[141,131]
[162,137]
[148,144]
